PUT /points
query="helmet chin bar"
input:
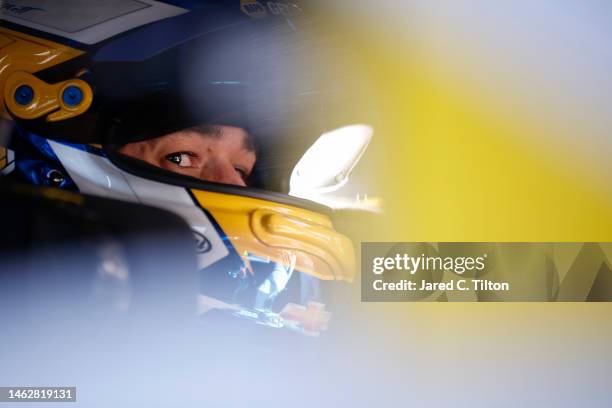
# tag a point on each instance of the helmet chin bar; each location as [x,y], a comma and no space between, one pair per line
[269,229]
[256,221]
[268,259]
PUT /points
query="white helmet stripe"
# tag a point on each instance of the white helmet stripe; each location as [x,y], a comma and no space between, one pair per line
[96,175]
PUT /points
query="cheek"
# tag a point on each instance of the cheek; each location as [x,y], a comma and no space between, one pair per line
[148,151]
[138,150]
[246,160]
[215,168]
[186,171]
[220,171]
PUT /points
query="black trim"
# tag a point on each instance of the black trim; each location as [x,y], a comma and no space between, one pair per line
[148,171]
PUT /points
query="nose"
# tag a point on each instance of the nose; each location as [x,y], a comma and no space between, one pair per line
[220,171]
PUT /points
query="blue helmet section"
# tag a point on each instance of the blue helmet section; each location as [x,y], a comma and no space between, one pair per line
[145,42]
[36,163]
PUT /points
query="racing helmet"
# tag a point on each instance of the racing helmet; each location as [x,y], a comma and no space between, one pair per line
[80,80]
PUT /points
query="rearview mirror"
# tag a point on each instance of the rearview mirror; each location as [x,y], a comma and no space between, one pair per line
[326,165]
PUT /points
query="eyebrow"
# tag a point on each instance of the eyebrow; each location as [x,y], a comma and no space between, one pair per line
[208,130]
[216,131]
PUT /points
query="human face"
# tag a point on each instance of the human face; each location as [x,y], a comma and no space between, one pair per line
[221,158]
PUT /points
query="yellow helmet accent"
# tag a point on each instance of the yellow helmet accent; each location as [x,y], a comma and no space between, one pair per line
[22,52]
[270,229]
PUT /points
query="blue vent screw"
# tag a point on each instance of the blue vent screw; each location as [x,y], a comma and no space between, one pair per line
[72,95]
[24,95]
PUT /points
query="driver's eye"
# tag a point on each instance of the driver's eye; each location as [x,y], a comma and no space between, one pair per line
[181,159]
